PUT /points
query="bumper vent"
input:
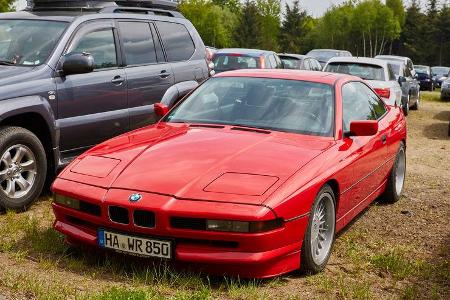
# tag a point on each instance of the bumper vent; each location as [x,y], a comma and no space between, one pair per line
[119,214]
[89,208]
[144,218]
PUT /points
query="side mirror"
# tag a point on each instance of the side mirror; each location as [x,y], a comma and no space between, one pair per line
[77,63]
[363,128]
[401,80]
[160,109]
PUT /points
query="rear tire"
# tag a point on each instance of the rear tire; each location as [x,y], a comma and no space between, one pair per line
[396,179]
[416,105]
[320,233]
[23,168]
[406,106]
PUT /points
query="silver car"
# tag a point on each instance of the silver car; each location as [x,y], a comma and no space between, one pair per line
[377,73]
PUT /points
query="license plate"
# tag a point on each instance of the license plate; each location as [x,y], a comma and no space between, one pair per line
[134,245]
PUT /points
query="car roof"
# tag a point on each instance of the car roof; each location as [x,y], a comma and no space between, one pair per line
[311,76]
[362,60]
[251,52]
[67,16]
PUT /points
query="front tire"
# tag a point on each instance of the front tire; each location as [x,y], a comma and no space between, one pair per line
[396,179]
[416,105]
[406,106]
[319,236]
[23,167]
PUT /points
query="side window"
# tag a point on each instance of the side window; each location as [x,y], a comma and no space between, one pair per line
[375,102]
[138,43]
[273,62]
[306,64]
[279,62]
[355,104]
[407,72]
[101,45]
[391,73]
[177,41]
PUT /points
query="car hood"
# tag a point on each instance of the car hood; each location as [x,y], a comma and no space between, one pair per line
[193,162]
[8,73]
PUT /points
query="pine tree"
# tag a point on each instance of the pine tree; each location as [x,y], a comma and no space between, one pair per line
[294,29]
[248,29]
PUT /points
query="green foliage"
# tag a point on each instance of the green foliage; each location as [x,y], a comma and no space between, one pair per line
[295,30]
[6,5]
[248,28]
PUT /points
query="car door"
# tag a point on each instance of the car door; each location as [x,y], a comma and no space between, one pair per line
[369,152]
[92,107]
[148,75]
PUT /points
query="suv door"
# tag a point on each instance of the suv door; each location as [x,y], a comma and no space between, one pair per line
[369,152]
[92,107]
[179,50]
[148,74]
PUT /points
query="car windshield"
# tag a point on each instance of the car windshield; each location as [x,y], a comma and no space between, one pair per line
[272,104]
[290,62]
[228,62]
[421,69]
[364,71]
[442,71]
[323,56]
[28,42]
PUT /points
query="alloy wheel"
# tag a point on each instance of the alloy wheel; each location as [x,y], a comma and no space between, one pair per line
[400,171]
[322,228]
[18,171]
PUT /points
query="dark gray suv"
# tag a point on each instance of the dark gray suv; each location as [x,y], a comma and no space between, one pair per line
[71,77]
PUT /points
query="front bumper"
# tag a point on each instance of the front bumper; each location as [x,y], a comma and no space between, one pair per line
[255,255]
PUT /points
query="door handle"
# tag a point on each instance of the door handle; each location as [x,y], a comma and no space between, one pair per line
[164,74]
[383,139]
[117,80]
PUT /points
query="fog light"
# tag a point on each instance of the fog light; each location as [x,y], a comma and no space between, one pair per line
[66,201]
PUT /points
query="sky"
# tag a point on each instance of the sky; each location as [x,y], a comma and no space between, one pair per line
[314,7]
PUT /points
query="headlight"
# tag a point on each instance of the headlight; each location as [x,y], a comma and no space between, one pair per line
[66,201]
[225,225]
[245,227]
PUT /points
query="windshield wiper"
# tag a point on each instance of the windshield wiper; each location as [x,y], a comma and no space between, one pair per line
[7,63]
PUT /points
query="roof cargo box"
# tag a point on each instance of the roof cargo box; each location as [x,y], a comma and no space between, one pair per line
[51,4]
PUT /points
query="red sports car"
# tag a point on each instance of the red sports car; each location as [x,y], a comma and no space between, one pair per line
[252,174]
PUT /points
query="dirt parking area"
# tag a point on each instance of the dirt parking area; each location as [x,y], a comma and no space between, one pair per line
[389,251]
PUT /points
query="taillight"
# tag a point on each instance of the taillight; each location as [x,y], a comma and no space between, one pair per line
[209,61]
[262,62]
[383,93]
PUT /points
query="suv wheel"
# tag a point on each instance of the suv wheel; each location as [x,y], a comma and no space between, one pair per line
[23,167]
[416,105]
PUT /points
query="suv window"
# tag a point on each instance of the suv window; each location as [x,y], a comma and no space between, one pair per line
[138,43]
[391,73]
[177,41]
[359,103]
[101,45]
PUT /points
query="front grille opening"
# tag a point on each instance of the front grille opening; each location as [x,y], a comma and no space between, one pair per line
[188,223]
[119,214]
[89,208]
[144,218]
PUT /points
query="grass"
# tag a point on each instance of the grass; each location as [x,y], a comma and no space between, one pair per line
[430,96]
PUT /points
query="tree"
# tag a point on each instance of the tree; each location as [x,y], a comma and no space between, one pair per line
[269,14]
[410,38]
[6,5]
[295,29]
[248,28]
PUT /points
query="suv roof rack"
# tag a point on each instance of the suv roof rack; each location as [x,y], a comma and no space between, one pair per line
[153,7]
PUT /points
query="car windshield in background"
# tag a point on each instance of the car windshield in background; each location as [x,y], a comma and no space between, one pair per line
[291,62]
[28,42]
[421,69]
[272,104]
[364,71]
[228,62]
[323,56]
[441,71]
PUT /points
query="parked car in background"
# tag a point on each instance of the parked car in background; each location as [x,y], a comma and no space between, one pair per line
[324,55]
[445,90]
[255,173]
[440,74]
[425,77]
[71,78]
[410,86]
[230,59]
[394,58]
[377,73]
[299,62]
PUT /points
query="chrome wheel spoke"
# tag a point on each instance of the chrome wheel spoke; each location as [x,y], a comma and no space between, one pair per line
[10,188]
[22,183]
[28,166]
[6,158]
[3,176]
[20,153]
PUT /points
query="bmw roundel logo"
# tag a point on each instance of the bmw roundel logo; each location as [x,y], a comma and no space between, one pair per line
[135,197]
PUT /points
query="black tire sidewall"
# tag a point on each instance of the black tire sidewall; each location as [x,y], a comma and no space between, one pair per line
[308,265]
[390,194]
[10,136]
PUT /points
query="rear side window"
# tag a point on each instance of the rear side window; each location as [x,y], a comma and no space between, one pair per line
[273,62]
[228,62]
[291,62]
[138,43]
[177,41]
[391,72]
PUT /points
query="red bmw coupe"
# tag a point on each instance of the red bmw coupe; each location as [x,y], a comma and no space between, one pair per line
[252,174]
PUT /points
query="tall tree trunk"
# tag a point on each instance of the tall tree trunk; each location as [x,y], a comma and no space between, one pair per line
[364,41]
[376,43]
